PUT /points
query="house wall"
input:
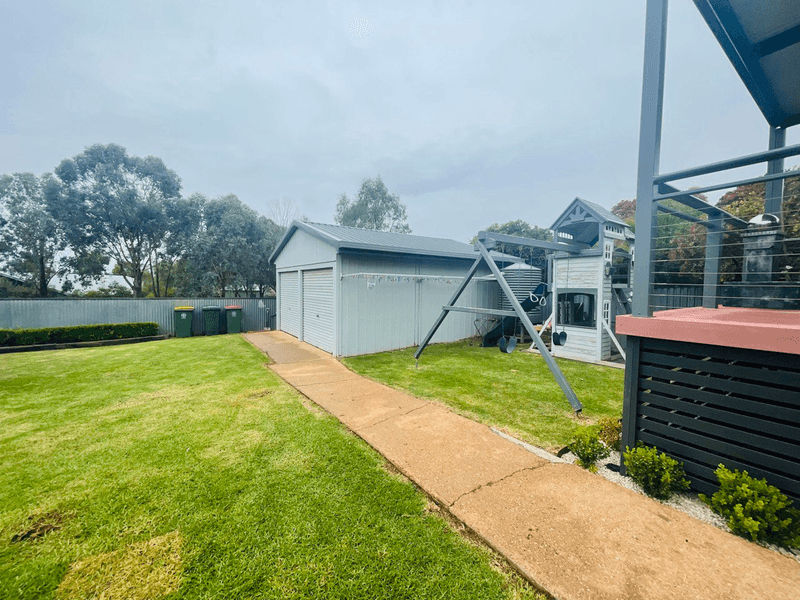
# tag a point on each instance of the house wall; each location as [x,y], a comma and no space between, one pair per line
[387,302]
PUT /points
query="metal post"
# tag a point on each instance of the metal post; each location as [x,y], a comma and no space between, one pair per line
[452,301]
[711,266]
[551,363]
[655,46]
[773,197]
[629,402]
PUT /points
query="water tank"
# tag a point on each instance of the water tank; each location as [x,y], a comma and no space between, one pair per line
[522,279]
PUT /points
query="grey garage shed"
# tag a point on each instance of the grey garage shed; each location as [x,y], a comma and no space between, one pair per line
[356,291]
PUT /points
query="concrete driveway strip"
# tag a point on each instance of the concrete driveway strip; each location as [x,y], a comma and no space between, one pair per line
[359,404]
[445,454]
[575,534]
[582,537]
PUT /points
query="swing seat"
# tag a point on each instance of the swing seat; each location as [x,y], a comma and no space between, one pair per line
[507,344]
[559,339]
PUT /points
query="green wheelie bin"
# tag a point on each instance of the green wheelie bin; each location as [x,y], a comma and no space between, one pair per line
[234,314]
[183,320]
[211,319]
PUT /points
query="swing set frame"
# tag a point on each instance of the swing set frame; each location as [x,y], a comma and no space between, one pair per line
[486,242]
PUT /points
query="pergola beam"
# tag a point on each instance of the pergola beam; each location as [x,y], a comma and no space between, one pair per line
[528,242]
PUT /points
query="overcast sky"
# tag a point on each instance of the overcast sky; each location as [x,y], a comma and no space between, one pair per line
[474,112]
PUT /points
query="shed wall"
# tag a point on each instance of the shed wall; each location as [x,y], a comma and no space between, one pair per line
[304,250]
[389,302]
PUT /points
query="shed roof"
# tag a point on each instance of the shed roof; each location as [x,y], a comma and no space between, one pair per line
[353,238]
[762,41]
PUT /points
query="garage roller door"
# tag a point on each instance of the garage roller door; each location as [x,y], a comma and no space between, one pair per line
[290,304]
[318,308]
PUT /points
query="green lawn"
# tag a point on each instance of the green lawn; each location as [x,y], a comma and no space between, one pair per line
[515,392]
[185,469]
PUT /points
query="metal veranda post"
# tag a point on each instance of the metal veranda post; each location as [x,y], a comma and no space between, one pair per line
[551,363]
[655,46]
[452,302]
[711,263]
[773,196]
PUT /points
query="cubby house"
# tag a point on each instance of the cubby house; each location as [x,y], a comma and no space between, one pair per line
[591,287]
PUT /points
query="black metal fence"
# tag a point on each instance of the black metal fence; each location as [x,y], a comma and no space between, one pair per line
[665,297]
[258,313]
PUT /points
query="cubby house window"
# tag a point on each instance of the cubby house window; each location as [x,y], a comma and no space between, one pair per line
[576,309]
[606,311]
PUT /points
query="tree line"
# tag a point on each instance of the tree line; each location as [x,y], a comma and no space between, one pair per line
[104,207]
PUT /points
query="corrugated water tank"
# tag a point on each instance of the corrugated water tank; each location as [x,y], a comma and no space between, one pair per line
[522,279]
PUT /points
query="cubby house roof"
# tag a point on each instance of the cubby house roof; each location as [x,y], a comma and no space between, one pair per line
[583,219]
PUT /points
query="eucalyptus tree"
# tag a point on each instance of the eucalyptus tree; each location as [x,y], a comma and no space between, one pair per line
[114,203]
[373,208]
[175,240]
[31,240]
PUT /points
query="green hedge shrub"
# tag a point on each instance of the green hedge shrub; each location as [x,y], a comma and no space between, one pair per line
[586,445]
[610,432]
[78,333]
[755,509]
[657,474]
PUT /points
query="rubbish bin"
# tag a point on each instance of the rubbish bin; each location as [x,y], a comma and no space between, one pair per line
[234,318]
[223,321]
[211,319]
[183,320]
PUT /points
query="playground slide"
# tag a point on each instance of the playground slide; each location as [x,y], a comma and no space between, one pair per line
[507,325]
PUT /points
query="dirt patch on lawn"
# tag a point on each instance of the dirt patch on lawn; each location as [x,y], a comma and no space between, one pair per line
[143,571]
[37,527]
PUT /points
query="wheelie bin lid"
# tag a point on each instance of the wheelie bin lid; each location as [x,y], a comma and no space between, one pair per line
[184,308]
[233,307]
[212,308]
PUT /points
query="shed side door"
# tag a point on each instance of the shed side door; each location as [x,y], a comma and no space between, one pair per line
[318,308]
[290,304]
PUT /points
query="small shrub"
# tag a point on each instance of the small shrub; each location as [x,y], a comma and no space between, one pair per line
[657,474]
[755,509]
[588,448]
[610,432]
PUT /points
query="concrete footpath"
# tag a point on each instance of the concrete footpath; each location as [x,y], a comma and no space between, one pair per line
[575,534]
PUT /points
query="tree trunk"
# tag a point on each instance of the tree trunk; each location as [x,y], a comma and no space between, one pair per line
[42,278]
[137,283]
